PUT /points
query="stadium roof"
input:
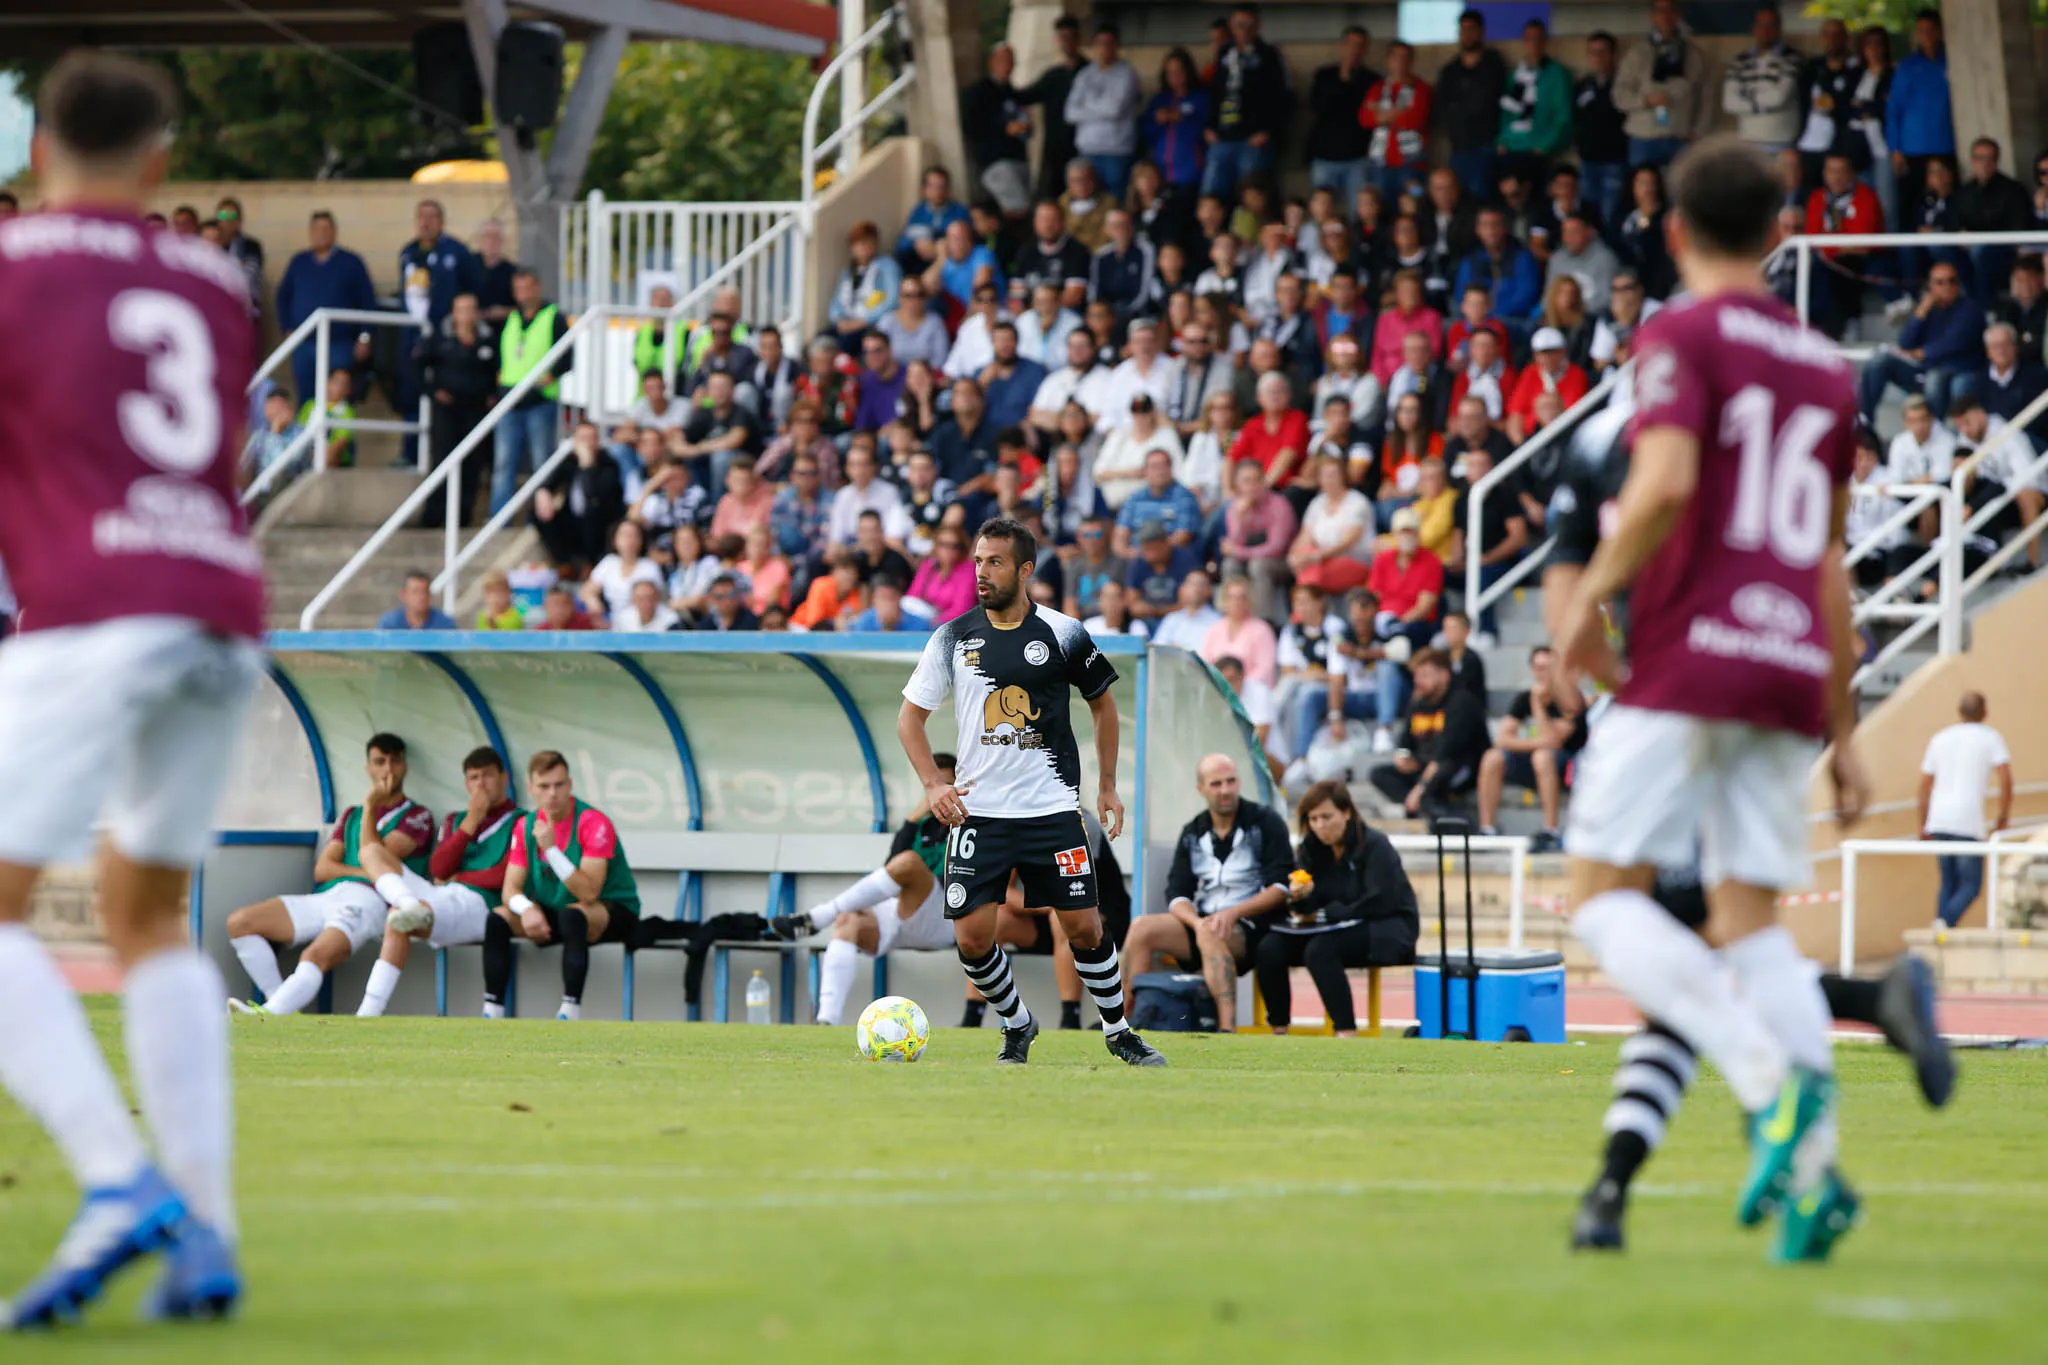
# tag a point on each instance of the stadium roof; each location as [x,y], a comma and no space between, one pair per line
[43,28]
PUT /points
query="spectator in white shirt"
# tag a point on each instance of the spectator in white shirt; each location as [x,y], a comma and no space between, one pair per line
[1960,763]
[1870,506]
[974,344]
[647,612]
[1147,371]
[1346,375]
[1271,259]
[655,410]
[2007,467]
[1113,613]
[914,331]
[1121,465]
[1081,380]
[1923,452]
[1187,625]
[864,493]
[1043,329]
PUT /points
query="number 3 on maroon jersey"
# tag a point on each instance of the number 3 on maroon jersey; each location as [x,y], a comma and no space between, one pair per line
[175,423]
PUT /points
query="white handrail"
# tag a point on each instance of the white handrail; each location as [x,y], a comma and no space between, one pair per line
[1852,849]
[320,325]
[448,467]
[1476,599]
[849,52]
[1802,248]
[445,583]
[1516,846]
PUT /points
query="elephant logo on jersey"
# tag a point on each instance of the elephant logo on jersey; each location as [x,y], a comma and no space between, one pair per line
[1006,706]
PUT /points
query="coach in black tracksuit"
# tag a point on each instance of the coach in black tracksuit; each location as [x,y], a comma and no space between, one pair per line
[1358,912]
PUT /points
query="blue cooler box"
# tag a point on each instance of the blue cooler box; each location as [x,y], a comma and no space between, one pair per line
[1516,989]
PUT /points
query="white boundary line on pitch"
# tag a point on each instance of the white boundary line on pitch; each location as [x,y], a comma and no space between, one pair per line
[1050,1191]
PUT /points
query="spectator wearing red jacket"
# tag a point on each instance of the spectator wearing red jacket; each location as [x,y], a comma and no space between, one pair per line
[1842,205]
[1550,371]
[1396,110]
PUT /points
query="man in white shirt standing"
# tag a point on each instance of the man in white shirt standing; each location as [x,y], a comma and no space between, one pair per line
[1960,763]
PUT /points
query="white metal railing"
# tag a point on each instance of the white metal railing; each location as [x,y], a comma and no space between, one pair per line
[1801,248]
[1514,845]
[1958,525]
[1854,849]
[319,326]
[1478,599]
[851,59]
[448,470]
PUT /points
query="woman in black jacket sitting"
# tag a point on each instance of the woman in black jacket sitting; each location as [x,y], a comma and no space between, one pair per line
[1358,910]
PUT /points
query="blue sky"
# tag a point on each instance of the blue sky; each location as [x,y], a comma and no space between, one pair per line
[17,120]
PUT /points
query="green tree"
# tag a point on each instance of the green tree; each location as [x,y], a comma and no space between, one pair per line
[695,121]
[287,114]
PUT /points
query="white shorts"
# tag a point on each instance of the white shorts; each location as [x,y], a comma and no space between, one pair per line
[134,722]
[352,907]
[460,912]
[928,928]
[1657,788]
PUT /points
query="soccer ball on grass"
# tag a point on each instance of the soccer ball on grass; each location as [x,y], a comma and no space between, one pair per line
[892,1029]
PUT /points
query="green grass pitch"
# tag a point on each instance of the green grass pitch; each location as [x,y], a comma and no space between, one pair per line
[426,1190]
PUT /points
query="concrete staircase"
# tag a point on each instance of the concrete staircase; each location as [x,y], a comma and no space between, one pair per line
[316,526]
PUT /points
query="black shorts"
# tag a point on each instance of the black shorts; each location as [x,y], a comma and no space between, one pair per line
[1686,900]
[618,927]
[1049,852]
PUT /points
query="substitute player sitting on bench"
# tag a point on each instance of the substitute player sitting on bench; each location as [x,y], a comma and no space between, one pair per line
[1230,871]
[898,905]
[468,867]
[566,882]
[344,912]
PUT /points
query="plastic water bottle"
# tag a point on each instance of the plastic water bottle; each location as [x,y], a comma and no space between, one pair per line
[757,999]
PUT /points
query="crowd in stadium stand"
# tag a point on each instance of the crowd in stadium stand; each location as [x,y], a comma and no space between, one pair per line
[1243,422]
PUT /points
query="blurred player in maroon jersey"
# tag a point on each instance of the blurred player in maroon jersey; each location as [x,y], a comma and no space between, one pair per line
[124,355]
[1728,541]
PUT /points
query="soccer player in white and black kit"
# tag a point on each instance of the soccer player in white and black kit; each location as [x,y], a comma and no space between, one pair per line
[1015,802]
[124,354]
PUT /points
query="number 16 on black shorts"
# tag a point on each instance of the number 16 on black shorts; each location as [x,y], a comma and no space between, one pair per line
[1050,853]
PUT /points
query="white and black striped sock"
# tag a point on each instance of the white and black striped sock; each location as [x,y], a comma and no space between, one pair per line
[991,976]
[1649,1085]
[1103,976]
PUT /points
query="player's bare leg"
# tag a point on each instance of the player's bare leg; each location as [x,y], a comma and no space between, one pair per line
[256,932]
[1220,957]
[988,970]
[1095,960]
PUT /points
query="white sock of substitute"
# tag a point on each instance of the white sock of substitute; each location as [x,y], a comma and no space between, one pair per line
[178,1053]
[259,960]
[298,990]
[835,979]
[865,894]
[1783,988]
[1673,977]
[376,995]
[391,887]
[53,1068]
